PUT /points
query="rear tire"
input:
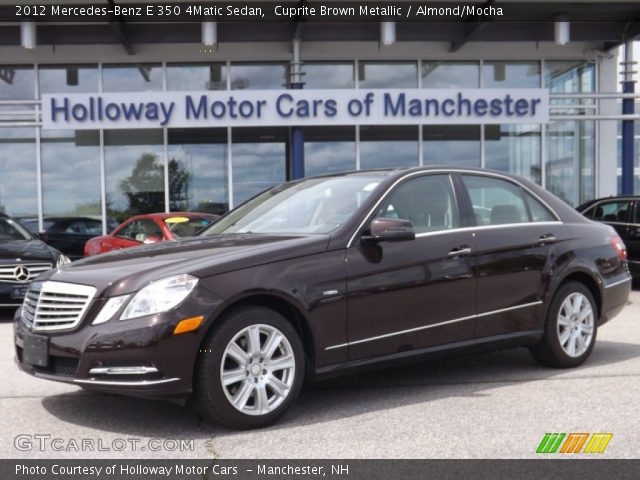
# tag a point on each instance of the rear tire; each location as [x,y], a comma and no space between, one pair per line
[570,328]
[251,369]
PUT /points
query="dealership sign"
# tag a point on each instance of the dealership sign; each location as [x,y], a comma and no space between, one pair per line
[244,108]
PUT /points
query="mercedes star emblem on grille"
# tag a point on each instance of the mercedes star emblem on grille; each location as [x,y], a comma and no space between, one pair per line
[21,273]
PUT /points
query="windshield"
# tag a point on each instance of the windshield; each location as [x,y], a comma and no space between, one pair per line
[12,230]
[316,205]
[186,226]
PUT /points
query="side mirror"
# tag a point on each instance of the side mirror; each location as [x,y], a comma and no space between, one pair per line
[151,239]
[390,230]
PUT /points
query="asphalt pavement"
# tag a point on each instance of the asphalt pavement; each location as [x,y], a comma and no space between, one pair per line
[496,405]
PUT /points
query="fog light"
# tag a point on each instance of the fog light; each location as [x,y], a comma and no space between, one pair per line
[188,325]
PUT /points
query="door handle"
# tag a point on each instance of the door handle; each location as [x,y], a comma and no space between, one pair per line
[547,238]
[460,251]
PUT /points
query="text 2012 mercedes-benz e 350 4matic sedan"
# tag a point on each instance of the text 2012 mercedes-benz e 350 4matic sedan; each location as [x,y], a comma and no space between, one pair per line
[322,275]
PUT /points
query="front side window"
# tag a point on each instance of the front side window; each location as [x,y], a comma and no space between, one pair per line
[495,201]
[617,211]
[427,202]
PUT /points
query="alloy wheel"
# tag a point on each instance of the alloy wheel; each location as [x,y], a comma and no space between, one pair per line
[258,369]
[575,324]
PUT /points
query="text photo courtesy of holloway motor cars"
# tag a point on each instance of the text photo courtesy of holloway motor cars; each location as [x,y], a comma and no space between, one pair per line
[319,239]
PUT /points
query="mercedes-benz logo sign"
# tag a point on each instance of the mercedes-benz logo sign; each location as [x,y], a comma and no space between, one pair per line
[21,273]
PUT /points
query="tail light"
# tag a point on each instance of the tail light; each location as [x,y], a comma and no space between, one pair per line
[619,246]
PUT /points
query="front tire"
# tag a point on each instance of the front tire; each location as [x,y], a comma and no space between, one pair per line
[571,328]
[251,369]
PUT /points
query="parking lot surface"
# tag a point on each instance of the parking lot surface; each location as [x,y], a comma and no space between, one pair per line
[496,405]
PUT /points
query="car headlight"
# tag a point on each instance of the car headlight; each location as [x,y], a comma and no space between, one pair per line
[110,308]
[62,260]
[160,296]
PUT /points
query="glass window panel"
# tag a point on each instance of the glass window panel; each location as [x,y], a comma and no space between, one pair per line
[514,149]
[616,211]
[457,145]
[134,172]
[388,146]
[450,74]
[329,75]
[329,149]
[259,160]
[198,170]
[68,78]
[70,173]
[140,77]
[18,189]
[17,83]
[511,75]
[570,169]
[196,76]
[388,74]
[258,76]
[495,201]
[427,202]
[539,213]
[570,76]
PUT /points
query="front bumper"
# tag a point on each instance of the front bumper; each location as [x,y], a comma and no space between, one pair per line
[139,357]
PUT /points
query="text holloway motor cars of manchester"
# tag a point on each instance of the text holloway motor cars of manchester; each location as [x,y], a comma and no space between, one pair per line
[326,274]
[22,259]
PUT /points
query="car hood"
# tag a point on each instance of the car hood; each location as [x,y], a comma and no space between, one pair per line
[27,250]
[125,271]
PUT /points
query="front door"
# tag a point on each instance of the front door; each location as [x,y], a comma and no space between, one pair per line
[413,294]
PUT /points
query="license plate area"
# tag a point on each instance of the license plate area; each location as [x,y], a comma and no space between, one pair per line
[35,350]
[19,292]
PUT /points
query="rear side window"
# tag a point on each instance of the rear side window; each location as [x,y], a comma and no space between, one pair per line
[496,201]
[614,211]
[499,202]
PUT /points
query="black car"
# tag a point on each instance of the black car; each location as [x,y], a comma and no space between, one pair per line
[22,259]
[326,274]
[623,214]
[67,234]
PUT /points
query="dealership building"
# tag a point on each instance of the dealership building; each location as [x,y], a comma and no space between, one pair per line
[116,118]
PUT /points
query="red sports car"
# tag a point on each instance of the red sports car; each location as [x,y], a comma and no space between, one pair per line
[150,228]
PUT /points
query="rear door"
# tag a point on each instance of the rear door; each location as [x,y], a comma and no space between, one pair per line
[515,233]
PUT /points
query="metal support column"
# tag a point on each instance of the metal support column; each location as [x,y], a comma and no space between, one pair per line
[628,125]
[296,137]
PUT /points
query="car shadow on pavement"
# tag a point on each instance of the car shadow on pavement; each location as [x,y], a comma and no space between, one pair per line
[347,396]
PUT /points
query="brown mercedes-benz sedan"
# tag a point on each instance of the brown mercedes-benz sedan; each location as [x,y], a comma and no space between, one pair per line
[323,275]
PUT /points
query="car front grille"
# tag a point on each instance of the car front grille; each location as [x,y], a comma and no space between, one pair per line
[21,273]
[56,305]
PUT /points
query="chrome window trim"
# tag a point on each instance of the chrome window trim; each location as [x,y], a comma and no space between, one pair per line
[449,172]
[619,282]
[485,227]
[433,325]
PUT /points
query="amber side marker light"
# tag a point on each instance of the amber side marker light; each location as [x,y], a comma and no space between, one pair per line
[188,325]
